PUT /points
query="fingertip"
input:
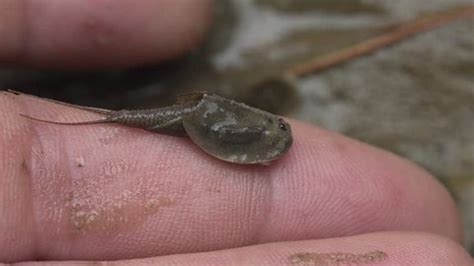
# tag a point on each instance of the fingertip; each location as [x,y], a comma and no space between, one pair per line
[99,33]
[349,187]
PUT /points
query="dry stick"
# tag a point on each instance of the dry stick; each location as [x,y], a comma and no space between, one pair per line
[403,31]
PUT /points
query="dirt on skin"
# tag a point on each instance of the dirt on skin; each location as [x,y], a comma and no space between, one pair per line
[336,258]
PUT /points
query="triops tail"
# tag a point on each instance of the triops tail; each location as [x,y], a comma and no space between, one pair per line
[100,121]
[86,108]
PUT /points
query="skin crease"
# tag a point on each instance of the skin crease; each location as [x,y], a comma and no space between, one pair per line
[400,248]
[107,192]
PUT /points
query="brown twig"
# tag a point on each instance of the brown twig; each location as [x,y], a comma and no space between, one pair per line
[403,31]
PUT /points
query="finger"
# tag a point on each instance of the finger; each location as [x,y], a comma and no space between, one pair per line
[110,192]
[81,33]
[388,248]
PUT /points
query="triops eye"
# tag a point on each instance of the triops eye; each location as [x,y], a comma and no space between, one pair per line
[282,126]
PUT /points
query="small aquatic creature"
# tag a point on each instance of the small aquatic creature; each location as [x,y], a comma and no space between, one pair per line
[223,128]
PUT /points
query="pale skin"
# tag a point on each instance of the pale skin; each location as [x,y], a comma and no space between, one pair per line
[113,193]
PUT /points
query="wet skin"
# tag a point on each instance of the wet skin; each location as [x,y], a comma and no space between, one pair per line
[223,128]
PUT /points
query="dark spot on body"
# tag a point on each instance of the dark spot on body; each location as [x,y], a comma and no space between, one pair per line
[23,165]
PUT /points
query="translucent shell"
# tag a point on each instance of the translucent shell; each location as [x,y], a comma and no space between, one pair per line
[236,132]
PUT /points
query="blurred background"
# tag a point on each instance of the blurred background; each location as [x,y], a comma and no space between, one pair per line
[414,98]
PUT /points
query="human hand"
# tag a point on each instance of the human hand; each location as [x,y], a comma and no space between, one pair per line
[107,192]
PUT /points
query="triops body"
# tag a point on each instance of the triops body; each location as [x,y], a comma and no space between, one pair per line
[225,129]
